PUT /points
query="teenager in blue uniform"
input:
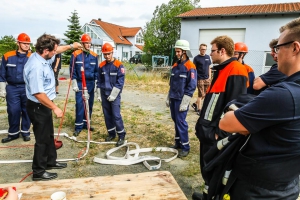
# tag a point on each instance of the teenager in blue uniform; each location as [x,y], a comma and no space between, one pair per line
[89,61]
[111,75]
[267,165]
[183,83]
[11,72]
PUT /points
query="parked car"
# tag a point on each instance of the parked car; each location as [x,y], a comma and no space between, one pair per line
[137,58]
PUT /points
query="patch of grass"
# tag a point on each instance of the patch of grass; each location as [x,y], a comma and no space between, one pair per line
[191,170]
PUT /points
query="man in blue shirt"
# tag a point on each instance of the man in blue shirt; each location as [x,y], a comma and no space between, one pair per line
[203,63]
[267,166]
[40,91]
[12,87]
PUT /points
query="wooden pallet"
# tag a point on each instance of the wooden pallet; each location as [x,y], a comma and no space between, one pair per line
[157,185]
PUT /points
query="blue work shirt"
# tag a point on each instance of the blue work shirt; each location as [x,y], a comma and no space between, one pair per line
[12,67]
[39,77]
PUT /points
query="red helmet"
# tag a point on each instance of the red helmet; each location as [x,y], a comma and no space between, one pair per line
[24,38]
[86,38]
[107,48]
[240,47]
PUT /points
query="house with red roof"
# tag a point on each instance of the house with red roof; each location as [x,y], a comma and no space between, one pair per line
[255,25]
[127,41]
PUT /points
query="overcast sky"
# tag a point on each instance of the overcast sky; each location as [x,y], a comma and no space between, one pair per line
[36,17]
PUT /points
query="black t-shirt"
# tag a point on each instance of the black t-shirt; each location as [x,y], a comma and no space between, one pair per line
[273,119]
[55,60]
[202,64]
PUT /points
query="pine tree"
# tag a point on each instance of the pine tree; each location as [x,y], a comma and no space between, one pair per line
[73,34]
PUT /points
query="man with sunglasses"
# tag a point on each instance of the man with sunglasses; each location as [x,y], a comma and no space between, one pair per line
[89,61]
[229,80]
[12,87]
[267,166]
[202,62]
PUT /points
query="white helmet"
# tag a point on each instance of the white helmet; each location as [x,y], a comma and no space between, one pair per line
[184,45]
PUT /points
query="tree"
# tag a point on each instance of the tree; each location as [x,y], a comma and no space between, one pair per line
[163,30]
[73,35]
[7,43]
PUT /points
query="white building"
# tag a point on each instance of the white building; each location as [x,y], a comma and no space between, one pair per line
[255,25]
[127,41]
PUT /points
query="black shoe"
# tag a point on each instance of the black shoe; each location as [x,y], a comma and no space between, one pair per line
[120,142]
[91,128]
[8,139]
[46,176]
[109,138]
[194,105]
[197,196]
[26,138]
[57,166]
[183,154]
[76,133]
[57,92]
[176,146]
[199,112]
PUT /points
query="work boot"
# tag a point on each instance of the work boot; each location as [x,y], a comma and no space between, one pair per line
[183,154]
[26,138]
[176,146]
[76,133]
[8,139]
[197,196]
[109,138]
[91,128]
[120,142]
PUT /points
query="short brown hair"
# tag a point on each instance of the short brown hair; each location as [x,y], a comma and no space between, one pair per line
[46,41]
[294,30]
[273,43]
[225,42]
[203,45]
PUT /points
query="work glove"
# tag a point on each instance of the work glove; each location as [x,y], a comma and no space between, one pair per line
[185,102]
[114,93]
[168,101]
[98,92]
[2,89]
[75,86]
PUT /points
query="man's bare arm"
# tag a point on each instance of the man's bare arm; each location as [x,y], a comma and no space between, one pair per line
[231,124]
[258,83]
[43,99]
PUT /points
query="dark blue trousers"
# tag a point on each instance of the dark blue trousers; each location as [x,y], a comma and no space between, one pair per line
[112,114]
[16,108]
[181,126]
[80,121]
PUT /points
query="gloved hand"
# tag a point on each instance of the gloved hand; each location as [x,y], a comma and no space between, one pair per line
[2,89]
[168,101]
[75,86]
[98,92]
[185,102]
[113,95]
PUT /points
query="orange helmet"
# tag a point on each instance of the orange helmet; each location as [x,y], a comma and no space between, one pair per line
[24,38]
[240,47]
[107,48]
[86,38]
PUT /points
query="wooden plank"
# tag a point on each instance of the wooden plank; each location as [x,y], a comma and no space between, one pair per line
[150,185]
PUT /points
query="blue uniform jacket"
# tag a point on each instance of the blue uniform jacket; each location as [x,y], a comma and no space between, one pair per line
[12,67]
[90,63]
[111,75]
[183,79]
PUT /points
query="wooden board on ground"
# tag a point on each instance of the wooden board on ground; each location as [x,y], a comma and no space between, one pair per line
[149,185]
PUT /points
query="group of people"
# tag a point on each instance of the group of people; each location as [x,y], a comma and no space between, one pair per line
[262,165]
[29,82]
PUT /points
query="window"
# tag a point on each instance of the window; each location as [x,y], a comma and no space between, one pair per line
[125,55]
[139,39]
[268,62]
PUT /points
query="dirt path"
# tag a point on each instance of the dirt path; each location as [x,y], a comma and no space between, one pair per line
[11,173]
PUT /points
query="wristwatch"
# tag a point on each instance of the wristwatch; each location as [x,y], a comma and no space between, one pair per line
[72,47]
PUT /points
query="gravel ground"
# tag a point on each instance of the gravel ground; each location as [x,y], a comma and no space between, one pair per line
[12,173]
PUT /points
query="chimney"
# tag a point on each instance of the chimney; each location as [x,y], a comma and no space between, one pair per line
[99,19]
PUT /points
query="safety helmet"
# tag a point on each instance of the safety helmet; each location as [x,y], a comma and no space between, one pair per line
[184,45]
[107,48]
[24,38]
[240,47]
[86,38]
